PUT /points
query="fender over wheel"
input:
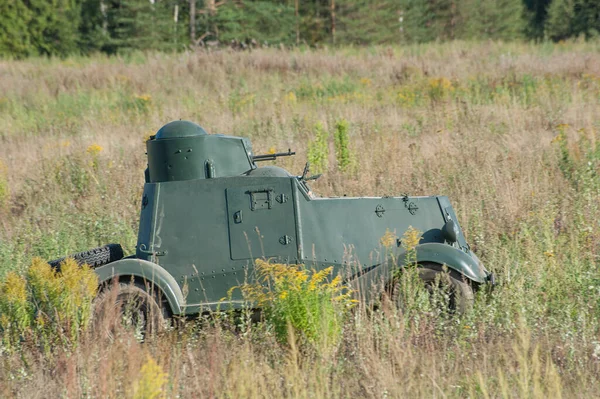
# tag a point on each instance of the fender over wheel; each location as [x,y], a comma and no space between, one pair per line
[442,280]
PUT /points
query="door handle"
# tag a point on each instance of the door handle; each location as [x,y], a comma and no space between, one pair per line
[237,217]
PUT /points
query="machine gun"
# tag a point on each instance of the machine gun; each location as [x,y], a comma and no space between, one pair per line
[272,157]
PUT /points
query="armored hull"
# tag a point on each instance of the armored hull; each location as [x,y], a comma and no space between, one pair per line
[208,211]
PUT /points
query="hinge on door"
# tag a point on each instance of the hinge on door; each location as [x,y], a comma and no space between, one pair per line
[413,208]
[281,198]
[285,240]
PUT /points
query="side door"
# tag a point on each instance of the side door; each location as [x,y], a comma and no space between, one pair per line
[262,220]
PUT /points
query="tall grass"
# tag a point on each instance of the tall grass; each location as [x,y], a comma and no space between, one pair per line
[508,131]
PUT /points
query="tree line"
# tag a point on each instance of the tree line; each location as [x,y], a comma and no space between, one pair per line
[63,27]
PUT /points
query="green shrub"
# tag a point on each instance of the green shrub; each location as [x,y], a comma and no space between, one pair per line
[309,302]
[318,150]
[345,158]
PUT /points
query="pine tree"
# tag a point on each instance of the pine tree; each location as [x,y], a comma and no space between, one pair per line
[536,12]
[367,22]
[587,18]
[93,32]
[427,20]
[54,26]
[145,25]
[444,18]
[492,19]
[262,21]
[559,24]
[14,35]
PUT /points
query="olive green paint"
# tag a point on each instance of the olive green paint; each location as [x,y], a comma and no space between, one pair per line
[208,211]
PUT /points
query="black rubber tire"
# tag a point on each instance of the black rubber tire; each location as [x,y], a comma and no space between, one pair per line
[459,289]
[131,306]
[94,257]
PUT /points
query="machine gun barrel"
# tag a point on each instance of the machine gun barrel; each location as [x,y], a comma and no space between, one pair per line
[272,157]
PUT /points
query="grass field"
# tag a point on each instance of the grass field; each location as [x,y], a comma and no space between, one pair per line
[510,132]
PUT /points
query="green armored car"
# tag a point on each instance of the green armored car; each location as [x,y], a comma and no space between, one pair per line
[208,210]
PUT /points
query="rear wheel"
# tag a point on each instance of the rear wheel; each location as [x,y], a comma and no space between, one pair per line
[444,286]
[132,307]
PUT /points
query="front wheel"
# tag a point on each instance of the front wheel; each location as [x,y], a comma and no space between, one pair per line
[442,282]
[130,306]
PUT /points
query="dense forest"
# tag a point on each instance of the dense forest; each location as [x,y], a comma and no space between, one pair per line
[63,27]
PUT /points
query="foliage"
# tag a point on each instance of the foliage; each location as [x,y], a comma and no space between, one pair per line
[536,12]
[579,161]
[343,153]
[47,306]
[39,27]
[440,88]
[14,35]
[368,22]
[308,301]
[144,25]
[409,293]
[572,18]
[491,19]
[93,34]
[318,150]
[559,23]
[262,21]
[151,382]
[53,27]
[61,27]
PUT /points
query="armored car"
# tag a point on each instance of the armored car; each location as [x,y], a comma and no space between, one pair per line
[208,210]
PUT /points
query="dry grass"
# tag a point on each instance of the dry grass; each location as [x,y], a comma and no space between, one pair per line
[476,122]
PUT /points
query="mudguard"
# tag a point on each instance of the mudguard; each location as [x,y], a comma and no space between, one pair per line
[452,257]
[148,271]
[371,281]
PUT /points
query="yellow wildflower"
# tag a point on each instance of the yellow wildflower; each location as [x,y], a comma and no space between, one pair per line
[388,239]
[152,380]
[14,289]
[144,97]
[318,277]
[411,238]
[291,97]
[441,84]
[94,149]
